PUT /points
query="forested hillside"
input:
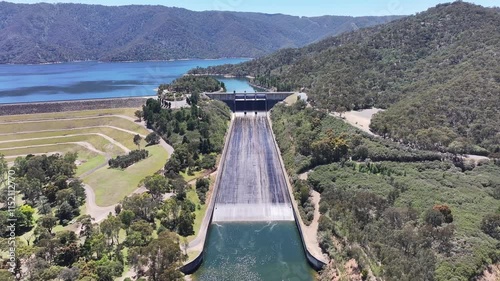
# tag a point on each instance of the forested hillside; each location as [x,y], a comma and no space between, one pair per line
[403,214]
[436,72]
[41,33]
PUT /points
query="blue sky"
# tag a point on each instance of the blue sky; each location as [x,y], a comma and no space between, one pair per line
[291,7]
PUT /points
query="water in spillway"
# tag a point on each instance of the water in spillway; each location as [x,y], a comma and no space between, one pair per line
[255,251]
[252,185]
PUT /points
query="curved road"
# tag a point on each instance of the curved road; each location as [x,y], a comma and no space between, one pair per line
[74,129]
[80,143]
[111,140]
[97,212]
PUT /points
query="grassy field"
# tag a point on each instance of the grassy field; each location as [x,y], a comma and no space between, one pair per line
[120,136]
[58,124]
[90,164]
[200,213]
[189,178]
[291,99]
[52,132]
[99,142]
[74,114]
[112,185]
[60,148]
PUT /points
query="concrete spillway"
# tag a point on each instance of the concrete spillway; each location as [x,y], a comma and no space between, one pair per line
[252,186]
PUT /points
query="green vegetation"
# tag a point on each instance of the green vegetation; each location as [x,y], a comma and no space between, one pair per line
[98,142]
[51,197]
[409,215]
[195,133]
[308,138]
[202,186]
[144,33]
[111,185]
[58,124]
[64,115]
[199,213]
[117,135]
[124,161]
[52,200]
[187,85]
[436,72]
[50,194]
[62,148]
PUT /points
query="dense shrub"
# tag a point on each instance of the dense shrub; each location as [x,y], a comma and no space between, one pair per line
[124,161]
[202,186]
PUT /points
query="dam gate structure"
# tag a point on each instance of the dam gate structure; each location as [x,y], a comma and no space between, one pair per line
[248,102]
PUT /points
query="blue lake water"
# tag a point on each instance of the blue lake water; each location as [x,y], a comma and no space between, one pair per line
[254,252]
[90,80]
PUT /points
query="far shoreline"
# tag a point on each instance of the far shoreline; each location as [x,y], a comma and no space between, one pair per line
[129,61]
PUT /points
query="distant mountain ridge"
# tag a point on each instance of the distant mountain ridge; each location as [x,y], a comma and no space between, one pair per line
[437,72]
[43,33]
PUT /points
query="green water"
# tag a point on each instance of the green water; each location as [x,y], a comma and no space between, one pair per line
[254,251]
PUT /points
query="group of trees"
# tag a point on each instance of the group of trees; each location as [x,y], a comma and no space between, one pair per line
[302,191]
[387,214]
[389,204]
[47,183]
[94,251]
[202,187]
[309,137]
[434,78]
[187,85]
[196,133]
[123,161]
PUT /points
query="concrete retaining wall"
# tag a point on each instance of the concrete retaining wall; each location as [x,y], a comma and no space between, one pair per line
[316,262]
[76,105]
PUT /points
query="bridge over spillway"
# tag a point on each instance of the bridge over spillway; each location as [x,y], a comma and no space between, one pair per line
[260,101]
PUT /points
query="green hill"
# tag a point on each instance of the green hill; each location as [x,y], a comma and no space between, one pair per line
[436,72]
[40,33]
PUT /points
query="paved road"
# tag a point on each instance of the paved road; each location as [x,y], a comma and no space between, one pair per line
[252,185]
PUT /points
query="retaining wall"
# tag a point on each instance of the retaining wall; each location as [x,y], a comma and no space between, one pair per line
[76,105]
[316,262]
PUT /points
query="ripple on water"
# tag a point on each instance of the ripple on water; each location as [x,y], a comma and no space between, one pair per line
[254,251]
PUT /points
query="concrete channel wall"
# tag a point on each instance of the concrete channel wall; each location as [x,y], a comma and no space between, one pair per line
[315,259]
[198,244]
[313,253]
[252,187]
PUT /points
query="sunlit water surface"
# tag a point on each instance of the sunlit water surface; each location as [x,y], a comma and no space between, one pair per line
[254,251]
[90,80]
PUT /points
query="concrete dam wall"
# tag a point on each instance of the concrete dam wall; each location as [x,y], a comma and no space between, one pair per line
[252,185]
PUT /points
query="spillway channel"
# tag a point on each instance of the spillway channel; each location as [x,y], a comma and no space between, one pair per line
[252,185]
[253,235]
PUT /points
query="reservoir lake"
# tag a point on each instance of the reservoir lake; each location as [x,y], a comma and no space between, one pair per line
[93,80]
